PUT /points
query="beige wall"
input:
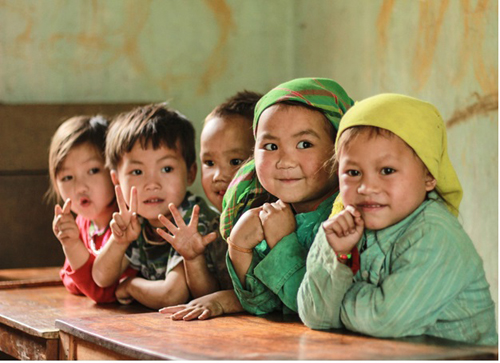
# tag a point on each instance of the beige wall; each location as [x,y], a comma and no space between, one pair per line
[195,53]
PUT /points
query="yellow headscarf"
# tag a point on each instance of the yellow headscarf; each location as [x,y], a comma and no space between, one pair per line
[420,125]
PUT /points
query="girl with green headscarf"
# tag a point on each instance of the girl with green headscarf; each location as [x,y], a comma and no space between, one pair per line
[276,202]
[419,271]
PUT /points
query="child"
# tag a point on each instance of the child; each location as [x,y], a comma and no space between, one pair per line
[226,143]
[419,273]
[294,128]
[150,152]
[78,176]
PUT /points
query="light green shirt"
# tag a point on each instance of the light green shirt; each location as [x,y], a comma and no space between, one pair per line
[274,276]
[419,276]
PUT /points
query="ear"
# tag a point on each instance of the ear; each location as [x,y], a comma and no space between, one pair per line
[430,182]
[114,177]
[191,177]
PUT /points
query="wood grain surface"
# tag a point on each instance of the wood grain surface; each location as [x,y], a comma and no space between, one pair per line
[245,337]
[30,277]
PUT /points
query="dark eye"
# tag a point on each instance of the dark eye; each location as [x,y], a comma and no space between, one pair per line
[136,172]
[209,163]
[236,162]
[304,145]
[271,147]
[387,171]
[66,178]
[353,173]
[167,169]
[94,171]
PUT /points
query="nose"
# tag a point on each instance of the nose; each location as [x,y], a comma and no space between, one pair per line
[368,185]
[285,160]
[152,183]
[221,174]
[81,185]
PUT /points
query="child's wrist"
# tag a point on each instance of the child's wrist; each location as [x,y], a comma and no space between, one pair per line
[344,257]
[240,248]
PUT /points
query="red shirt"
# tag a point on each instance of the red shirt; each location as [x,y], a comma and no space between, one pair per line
[80,282]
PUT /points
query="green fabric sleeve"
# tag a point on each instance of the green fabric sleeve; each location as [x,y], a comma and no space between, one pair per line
[323,287]
[255,297]
[283,269]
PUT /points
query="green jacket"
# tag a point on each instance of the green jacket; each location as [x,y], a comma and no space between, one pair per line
[274,276]
[419,276]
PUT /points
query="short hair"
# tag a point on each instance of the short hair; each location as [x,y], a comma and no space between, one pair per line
[73,132]
[155,125]
[241,104]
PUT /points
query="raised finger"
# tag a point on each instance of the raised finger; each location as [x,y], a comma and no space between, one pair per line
[67,206]
[176,215]
[57,210]
[120,199]
[133,200]
[166,222]
[195,216]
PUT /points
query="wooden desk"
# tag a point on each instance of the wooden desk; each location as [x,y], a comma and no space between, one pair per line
[240,337]
[27,318]
[29,277]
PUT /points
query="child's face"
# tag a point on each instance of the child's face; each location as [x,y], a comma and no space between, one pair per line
[225,144]
[292,150]
[160,176]
[84,179]
[383,179]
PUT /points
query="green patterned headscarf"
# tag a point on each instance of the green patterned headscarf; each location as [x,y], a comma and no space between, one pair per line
[245,191]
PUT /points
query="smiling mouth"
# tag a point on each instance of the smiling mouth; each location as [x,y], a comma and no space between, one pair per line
[370,206]
[153,201]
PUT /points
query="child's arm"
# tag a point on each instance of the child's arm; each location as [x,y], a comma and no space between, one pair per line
[328,278]
[156,294]
[206,307]
[111,261]
[191,245]
[67,232]
[246,234]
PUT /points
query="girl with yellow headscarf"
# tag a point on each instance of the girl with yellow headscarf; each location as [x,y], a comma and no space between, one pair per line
[419,271]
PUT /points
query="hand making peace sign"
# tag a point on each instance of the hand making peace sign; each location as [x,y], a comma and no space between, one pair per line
[125,225]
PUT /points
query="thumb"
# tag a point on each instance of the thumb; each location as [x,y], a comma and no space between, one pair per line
[57,210]
[209,238]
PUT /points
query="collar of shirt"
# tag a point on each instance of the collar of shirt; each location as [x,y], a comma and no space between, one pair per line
[385,237]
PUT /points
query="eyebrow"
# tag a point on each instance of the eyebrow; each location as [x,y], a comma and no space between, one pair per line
[132,161]
[231,151]
[311,132]
[84,162]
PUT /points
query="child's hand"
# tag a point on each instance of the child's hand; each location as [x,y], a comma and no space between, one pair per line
[277,220]
[202,308]
[185,239]
[122,294]
[64,225]
[248,231]
[125,225]
[344,230]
